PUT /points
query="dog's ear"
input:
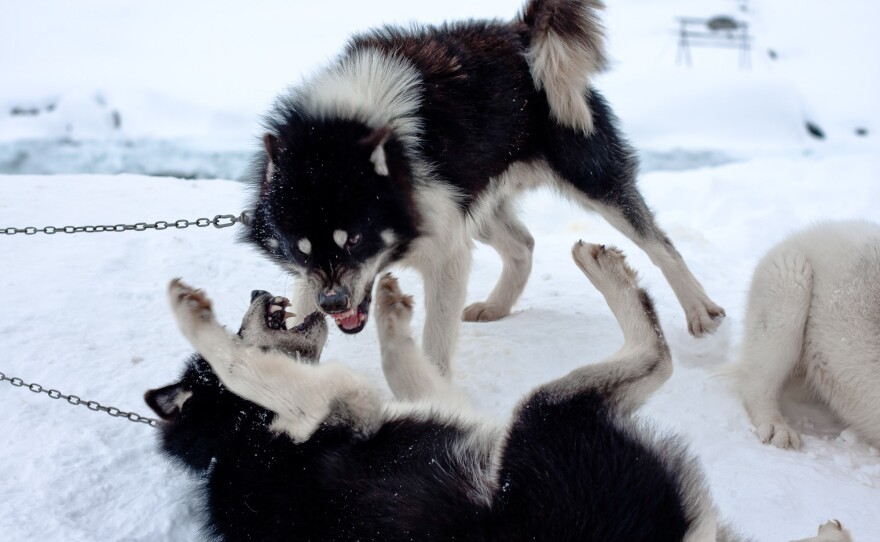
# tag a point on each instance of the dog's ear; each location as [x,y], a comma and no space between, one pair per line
[167,402]
[375,144]
[273,147]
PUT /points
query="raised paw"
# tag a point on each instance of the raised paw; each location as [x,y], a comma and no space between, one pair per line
[704,318]
[832,531]
[190,306]
[393,307]
[276,313]
[605,266]
[482,311]
[779,434]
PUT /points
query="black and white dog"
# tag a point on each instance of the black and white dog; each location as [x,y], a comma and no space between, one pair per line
[286,449]
[415,141]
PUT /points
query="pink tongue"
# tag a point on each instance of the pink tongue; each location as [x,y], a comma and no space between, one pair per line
[350,322]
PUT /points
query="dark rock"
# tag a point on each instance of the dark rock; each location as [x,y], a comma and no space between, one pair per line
[814,130]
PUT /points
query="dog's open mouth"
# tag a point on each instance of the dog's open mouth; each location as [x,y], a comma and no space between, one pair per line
[277,317]
[307,324]
[355,319]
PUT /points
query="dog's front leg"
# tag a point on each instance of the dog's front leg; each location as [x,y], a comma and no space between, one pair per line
[445,292]
[408,372]
[302,396]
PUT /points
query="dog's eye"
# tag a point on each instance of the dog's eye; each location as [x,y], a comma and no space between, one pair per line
[353,240]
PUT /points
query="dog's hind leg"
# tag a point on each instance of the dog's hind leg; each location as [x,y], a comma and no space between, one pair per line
[578,428]
[599,172]
[776,316]
[643,364]
[302,396]
[513,242]
[408,372]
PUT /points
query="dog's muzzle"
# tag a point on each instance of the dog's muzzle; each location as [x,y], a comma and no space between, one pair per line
[337,302]
[334,300]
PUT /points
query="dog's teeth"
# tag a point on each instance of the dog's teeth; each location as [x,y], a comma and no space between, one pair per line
[362,317]
[275,308]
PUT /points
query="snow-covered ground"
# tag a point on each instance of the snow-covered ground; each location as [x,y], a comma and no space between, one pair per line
[86,313]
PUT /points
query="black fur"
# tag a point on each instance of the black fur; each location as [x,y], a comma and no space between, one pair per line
[480,112]
[569,469]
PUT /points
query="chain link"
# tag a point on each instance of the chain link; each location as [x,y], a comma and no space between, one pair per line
[74,400]
[219,221]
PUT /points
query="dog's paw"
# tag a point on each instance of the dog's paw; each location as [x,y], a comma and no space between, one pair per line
[605,266]
[191,306]
[393,308]
[779,434]
[276,313]
[482,311]
[704,318]
[832,531]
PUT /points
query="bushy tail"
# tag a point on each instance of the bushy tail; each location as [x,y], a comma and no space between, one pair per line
[567,48]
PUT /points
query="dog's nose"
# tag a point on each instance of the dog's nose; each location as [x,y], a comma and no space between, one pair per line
[334,300]
[257,293]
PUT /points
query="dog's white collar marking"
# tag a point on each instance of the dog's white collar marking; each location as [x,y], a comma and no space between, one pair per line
[305,246]
[341,237]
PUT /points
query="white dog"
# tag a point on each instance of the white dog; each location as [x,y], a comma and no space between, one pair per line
[814,314]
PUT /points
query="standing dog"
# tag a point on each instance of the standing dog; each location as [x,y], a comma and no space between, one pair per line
[290,450]
[814,314]
[415,141]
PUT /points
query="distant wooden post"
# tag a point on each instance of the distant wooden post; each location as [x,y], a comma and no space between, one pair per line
[721,31]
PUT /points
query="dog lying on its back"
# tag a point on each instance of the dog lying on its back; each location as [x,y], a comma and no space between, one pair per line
[416,141]
[814,314]
[286,449]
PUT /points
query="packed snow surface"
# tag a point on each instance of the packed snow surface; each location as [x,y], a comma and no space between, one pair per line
[87,314]
[176,89]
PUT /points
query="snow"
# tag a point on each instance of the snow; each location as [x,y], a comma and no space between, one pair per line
[728,167]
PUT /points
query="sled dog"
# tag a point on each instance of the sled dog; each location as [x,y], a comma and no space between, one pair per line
[814,314]
[288,449]
[417,140]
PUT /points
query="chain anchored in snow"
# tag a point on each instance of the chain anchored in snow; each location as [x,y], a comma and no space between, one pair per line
[74,400]
[219,221]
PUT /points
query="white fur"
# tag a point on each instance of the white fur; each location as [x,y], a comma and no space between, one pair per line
[814,314]
[379,161]
[270,171]
[831,531]
[388,237]
[443,256]
[302,395]
[372,87]
[563,67]
[304,246]
[340,237]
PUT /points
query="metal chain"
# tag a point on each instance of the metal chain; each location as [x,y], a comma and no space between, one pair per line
[74,400]
[219,221]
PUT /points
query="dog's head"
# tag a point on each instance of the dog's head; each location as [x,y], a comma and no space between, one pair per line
[334,207]
[200,416]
